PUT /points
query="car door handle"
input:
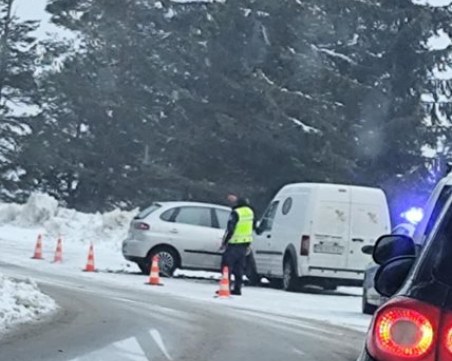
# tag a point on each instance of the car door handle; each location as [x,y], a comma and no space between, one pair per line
[358,240]
[174,231]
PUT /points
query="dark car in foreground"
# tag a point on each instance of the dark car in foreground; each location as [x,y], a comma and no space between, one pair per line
[416,323]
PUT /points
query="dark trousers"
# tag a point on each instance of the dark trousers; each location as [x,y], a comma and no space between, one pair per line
[235,258]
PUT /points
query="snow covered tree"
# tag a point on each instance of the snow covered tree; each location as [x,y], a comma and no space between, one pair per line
[180,100]
[18,90]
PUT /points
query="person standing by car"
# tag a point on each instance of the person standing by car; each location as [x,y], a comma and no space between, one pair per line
[237,240]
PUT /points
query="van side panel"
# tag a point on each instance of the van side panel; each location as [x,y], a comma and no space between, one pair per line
[290,224]
[369,220]
[330,224]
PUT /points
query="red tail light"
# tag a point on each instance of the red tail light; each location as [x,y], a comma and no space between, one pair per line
[305,243]
[142,226]
[404,329]
[445,349]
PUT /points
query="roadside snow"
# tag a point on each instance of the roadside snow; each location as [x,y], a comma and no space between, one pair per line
[43,215]
[21,301]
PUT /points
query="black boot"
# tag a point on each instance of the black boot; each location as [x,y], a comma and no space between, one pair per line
[236,292]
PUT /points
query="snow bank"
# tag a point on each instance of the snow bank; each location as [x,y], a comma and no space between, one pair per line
[41,212]
[21,301]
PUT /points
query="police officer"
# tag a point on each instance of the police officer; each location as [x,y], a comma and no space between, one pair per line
[237,241]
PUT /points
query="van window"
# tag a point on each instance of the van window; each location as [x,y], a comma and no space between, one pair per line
[269,216]
[440,202]
[287,205]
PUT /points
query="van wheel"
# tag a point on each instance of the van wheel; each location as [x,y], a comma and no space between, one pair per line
[290,279]
[276,283]
[251,271]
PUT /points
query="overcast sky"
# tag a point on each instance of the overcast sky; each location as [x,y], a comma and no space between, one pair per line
[36,11]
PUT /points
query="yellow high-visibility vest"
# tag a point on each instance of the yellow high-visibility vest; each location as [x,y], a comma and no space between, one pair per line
[243,232]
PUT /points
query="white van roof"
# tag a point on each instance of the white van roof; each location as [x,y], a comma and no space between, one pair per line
[289,188]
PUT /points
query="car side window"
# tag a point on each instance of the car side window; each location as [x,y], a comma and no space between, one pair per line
[223,218]
[267,220]
[168,215]
[195,216]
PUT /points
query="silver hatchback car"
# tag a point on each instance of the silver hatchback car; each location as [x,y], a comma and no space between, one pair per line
[371,299]
[185,235]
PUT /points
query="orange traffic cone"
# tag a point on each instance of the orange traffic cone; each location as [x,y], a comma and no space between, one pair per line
[90,264]
[224,291]
[154,276]
[59,252]
[38,249]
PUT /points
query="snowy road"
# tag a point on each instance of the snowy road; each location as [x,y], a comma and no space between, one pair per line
[110,322]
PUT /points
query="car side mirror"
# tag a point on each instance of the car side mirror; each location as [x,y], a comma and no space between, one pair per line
[391,276]
[367,249]
[393,246]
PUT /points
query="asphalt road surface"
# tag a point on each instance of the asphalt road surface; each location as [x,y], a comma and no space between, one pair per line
[100,322]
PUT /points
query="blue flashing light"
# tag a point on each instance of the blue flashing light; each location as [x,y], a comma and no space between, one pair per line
[413,215]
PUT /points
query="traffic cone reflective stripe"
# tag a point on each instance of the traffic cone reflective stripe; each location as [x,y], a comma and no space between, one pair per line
[154,276]
[38,249]
[224,291]
[90,264]
[59,252]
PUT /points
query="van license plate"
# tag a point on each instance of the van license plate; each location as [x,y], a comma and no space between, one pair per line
[329,248]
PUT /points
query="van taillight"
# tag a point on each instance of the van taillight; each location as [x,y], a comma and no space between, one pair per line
[142,226]
[305,242]
[404,329]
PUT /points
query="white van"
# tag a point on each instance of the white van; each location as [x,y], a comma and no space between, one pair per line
[313,234]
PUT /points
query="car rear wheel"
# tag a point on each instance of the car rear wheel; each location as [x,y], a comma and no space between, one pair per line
[168,260]
[367,308]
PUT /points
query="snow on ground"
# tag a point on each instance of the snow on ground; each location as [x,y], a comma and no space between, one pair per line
[21,224]
[21,301]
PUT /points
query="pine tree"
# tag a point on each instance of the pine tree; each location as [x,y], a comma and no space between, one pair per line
[18,91]
[171,100]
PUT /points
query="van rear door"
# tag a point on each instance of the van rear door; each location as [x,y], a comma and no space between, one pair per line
[330,229]
[368,221]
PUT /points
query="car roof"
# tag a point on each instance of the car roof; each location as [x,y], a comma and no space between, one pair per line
[192,204]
